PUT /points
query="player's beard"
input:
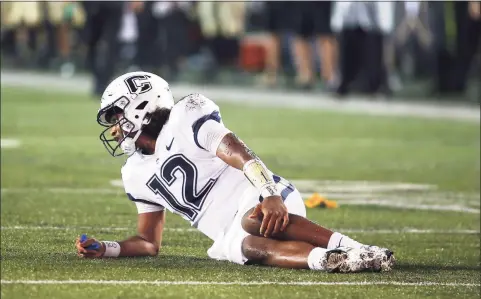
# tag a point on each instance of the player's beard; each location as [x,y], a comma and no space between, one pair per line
[146,144]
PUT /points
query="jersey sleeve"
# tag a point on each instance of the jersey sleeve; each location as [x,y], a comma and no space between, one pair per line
[145,207]
[133,194]
[206,128]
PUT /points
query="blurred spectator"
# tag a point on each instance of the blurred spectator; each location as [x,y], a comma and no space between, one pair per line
[280,20]
[172,35]
[222,25]
[442,56]
[468,38]
[411,38]
[61,19]
[24,19]
[362,27]
[326,43]
[103,20]
[275,13]
[7,31]
[454,49]
[128,36]
[312,19]
[146,51]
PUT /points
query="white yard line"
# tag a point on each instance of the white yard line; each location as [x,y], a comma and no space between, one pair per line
[70,228]
[240,283]
[343,230]
[64,190]
[392,201]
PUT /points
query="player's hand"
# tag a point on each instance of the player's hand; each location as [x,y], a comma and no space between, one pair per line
[275,215]
[81,243]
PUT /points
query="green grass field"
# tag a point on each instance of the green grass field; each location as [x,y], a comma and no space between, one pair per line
[57,185]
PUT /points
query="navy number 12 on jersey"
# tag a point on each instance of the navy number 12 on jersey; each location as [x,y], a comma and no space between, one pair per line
[192,200]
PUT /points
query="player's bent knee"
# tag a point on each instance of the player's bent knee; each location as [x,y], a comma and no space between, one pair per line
[253,250]
[250,226]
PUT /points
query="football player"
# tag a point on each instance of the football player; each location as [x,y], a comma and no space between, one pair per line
[182,158]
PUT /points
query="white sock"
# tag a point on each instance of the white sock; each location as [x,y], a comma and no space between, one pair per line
[315,257]
[338,239]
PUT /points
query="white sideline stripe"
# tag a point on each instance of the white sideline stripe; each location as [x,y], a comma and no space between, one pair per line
[9,143]
[406,205]
[246,283]
[343,230]
[326,186]
[358,186]
[248,97]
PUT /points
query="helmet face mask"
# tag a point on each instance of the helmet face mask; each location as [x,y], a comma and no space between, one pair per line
[107,117]
[112,144]
[104,116]
[128,103]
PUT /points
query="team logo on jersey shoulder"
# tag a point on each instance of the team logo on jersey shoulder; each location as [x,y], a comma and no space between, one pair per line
[194,101]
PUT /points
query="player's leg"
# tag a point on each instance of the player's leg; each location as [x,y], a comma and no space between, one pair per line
[270,252]
[302,255]
[304,230]
[290,247]
[237,246]
[300,228]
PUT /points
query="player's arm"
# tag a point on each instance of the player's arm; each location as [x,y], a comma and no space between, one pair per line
[211,135]
[147,242]
[235,152]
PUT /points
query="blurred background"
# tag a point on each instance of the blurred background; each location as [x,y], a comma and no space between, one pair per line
[392,49]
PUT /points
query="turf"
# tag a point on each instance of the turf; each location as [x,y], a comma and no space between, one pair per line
[60,149]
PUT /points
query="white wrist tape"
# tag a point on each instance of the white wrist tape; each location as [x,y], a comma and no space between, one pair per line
[112,249]
[256,172]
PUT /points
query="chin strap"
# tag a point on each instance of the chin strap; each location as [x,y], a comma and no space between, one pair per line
[128,144]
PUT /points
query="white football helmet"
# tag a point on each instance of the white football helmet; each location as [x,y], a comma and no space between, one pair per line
[136,96]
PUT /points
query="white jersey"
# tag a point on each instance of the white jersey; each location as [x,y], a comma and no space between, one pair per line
[184,175]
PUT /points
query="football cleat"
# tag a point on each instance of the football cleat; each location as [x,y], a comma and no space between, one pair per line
[353,260]
[385,257]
